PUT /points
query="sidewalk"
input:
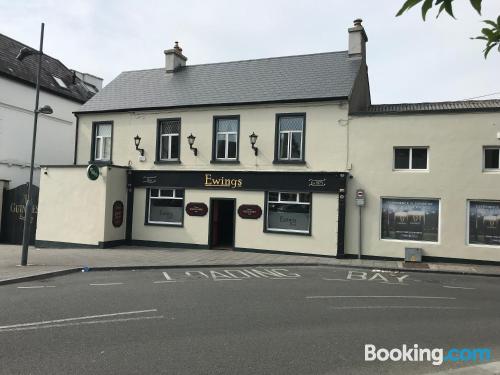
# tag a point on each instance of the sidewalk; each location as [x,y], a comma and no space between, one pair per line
[49,262]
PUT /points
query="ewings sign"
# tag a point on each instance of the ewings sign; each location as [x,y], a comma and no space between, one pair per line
[326,182]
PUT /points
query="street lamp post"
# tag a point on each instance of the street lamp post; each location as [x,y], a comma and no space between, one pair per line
[23,53]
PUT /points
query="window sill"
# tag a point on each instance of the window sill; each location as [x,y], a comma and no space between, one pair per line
[101,162]
[164,225]
[218,161]
[288,233]
[296,162]
[411,170]
[491,171]
[167,162]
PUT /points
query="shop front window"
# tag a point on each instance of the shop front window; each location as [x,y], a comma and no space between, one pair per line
[165,206]
[289,212]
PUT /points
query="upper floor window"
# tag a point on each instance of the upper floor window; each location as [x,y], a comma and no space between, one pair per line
[226,135]
[492,158]
[290,130]
[168,142]
[103,133]
[411,158]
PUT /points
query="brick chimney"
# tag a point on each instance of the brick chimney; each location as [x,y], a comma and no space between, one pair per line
[174,59]
[357,39]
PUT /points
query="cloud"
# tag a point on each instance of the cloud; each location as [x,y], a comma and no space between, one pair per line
[409,60]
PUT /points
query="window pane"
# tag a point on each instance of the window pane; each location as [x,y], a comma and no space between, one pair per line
[283,151]
[419,158]
[273,196]
[296,145]
[232,146]
[166,210]
[305,197]
[291,123]
[166,193]
[107,148]
[402,158]
[491,158]
[221,146]
[98,148]
[154,192]
[175,147]
[104,130]
[290,197]
[164,147]
[284,216]
[227,125]
[170,126]
[179,193]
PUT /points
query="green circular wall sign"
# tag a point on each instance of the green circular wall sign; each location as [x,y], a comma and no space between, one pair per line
[93,172]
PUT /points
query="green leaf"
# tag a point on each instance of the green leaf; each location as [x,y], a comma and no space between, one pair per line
[491,23]
[480,37]
[488,49]
[407,5]
[448,6]
[425,7]
[476,4]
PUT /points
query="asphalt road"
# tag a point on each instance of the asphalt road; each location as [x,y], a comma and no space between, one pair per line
[292,320]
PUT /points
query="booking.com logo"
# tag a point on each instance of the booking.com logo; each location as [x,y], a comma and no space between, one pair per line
[437,356]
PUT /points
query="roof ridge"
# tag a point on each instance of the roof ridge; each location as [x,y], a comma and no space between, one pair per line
[239,61]
[439,102]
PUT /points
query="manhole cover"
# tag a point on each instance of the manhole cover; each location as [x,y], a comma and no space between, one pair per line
[415,265]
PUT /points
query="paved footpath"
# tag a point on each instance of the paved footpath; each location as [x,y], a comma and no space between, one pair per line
[47,262]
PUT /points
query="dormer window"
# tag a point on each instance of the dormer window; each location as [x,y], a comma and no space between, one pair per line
[60,82]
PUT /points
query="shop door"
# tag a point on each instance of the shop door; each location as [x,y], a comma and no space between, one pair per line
[222,220]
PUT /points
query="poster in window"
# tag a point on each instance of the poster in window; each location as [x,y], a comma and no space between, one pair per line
[410,219]
[484,222]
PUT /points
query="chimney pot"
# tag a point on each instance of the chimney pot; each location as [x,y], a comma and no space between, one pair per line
[358,21]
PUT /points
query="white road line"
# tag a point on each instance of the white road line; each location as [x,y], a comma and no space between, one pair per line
[457,287]
[106,284]
[31,287]
[406,297]
[227,279]
[80,323]
[164,281]
[401,307]
[78,318]
[388,282]
[282,278]
[324,278]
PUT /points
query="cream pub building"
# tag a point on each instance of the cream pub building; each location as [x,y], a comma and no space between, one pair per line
[267,155]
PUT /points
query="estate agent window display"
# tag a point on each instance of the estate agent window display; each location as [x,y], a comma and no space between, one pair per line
[484,222]
[410,219]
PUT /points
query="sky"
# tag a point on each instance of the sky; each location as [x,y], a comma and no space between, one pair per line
[409,60]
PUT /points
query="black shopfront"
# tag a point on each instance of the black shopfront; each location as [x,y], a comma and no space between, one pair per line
[170,185]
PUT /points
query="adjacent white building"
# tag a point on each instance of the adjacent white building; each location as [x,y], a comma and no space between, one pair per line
[63,89]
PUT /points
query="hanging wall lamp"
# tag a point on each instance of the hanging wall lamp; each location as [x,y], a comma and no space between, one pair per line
[137,141]
[253,139]
[191,139]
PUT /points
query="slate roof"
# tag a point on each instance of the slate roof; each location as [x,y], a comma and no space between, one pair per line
[292,78]
[456,106]
[26,70]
